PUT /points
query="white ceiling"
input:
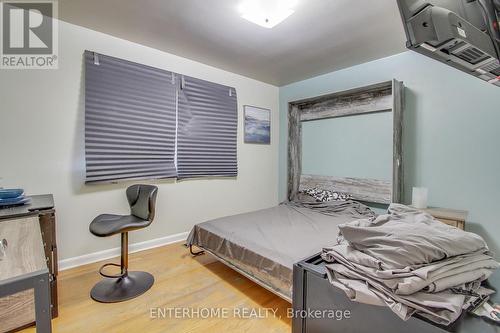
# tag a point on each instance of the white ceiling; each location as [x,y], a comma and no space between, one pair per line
[322,35]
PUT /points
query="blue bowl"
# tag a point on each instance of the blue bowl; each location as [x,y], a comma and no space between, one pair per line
[14,201]
[11,193]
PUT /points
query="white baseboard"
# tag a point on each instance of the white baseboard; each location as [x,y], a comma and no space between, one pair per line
[111,253]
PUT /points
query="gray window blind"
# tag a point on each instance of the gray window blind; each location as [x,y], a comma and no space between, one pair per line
[130,120]
[207,129]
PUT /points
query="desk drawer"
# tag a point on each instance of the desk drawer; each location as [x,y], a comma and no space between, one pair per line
[453,223]
[449,222]
[17,311]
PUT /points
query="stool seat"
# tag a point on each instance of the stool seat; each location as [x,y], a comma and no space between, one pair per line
[125,285]
[108,224]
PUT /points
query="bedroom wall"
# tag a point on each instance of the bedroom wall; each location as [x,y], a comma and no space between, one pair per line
[42,147]
[451,133]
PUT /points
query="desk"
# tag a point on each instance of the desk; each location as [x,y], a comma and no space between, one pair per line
[21,306]
[24,266]
[38,203]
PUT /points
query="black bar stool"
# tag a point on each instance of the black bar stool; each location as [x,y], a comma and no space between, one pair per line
[126,285]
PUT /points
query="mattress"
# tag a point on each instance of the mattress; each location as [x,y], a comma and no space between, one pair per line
[265,244]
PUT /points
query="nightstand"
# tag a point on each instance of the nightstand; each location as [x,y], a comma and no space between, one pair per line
[455,218]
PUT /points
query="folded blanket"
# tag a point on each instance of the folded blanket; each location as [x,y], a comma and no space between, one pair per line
[407,237]
[442,307]
[409,261]
[432,277]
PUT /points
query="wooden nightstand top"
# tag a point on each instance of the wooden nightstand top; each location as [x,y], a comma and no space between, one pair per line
[448,214]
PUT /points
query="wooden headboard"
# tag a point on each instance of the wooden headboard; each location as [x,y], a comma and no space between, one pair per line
[381,97]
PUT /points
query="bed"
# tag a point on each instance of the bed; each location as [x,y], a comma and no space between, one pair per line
[264,245]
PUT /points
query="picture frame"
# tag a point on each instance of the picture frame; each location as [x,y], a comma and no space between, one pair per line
[257,125]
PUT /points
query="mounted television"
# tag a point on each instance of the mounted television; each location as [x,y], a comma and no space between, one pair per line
[461,33]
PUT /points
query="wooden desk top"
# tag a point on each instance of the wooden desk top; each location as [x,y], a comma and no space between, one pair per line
[24,253]
[38,202]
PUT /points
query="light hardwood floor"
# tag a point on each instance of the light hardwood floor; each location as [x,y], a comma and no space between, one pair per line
[180,282]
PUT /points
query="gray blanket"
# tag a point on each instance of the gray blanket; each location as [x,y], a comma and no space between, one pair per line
[266,243]
[409,261]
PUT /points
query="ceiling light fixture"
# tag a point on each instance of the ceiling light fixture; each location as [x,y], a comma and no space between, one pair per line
[267,13]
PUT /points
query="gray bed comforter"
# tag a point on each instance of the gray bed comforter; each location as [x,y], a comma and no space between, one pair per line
[266,243]
[409,261]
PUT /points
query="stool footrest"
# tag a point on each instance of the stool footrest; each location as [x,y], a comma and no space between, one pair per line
[117,276]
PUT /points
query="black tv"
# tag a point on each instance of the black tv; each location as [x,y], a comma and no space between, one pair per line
[461,33]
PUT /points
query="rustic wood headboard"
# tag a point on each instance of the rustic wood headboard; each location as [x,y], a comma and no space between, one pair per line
[381,97]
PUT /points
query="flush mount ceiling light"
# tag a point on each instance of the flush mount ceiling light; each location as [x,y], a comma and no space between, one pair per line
[267,13]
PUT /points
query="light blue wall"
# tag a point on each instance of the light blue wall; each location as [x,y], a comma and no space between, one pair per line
[355,146]
[451,133]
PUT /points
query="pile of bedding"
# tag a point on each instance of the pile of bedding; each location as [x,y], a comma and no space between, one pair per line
[410,262]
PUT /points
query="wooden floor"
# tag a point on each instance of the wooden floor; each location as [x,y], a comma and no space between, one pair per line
[180,282]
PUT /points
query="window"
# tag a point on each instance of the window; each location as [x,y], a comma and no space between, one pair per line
[130,120]
[207,132]
[145,123]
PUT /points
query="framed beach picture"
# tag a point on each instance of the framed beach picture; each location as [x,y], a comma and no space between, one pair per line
[257,125]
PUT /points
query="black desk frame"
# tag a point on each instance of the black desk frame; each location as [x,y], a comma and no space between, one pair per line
[39,282]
